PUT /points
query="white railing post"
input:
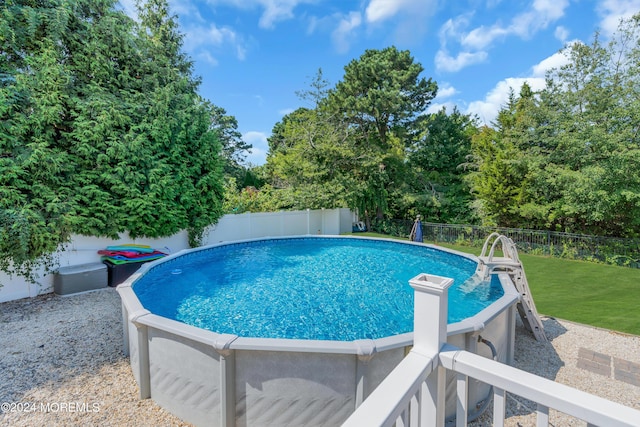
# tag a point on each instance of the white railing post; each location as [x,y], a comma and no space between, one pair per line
[430,312]
[499,406]
[429,335]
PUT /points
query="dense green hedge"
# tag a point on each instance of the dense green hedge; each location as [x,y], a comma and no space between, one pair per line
[102,130]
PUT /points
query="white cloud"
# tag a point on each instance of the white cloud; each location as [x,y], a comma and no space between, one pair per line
[199,37]
[556,60]
[481,37]
[253,137]
[274,10]
[212,35]
[612,11]
[550,10]
[208,58]
[258,154]
[325,24]
[411,18]
[487,109]
[344,32]
[561,33]
[435,107]
[241,51]
[199,40]
[446,62]
[381,10]
[314,22]
[346,26]
[186,9]
[473,44]
[452,30]
[523,25]
[541,15]
[445,91]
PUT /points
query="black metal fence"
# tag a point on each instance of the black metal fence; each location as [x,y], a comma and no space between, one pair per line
[609,250]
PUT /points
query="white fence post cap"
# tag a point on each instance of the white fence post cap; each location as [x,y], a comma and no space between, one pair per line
[430,283]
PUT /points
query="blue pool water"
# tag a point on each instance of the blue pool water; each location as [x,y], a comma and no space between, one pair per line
[307,288]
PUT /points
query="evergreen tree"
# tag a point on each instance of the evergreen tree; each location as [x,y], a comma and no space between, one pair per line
[567,158]
[380,96]
[437,163]
[102,129]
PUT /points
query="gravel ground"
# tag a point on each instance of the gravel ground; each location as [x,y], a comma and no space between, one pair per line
[61,364]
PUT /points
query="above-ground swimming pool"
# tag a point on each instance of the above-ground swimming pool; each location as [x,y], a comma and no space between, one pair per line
[307,288]
[295,330]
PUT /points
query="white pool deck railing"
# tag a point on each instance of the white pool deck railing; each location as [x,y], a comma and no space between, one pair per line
[413,393]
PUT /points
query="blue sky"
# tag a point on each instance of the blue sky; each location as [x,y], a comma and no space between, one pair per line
[254,55]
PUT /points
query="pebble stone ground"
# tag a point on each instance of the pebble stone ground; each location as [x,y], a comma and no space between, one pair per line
[61,364]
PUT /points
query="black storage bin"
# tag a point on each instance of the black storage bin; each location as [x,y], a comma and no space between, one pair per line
[118,273]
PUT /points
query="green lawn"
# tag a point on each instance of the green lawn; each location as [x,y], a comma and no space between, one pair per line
[594,294]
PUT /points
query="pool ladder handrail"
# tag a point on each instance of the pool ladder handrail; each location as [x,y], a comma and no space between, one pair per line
[511,264]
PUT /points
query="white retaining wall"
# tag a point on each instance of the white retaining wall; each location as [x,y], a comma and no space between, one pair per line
[84,249]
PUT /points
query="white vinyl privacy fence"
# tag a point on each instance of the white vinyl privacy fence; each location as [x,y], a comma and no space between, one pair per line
[275,224]
[83,249]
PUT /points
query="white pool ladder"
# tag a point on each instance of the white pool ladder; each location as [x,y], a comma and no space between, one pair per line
[511,264]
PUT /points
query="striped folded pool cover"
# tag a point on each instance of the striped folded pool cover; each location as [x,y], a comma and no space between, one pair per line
[129,253]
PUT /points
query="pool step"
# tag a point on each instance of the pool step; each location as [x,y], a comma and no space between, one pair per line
[511,264]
